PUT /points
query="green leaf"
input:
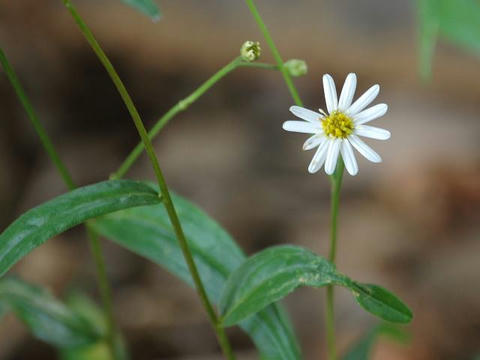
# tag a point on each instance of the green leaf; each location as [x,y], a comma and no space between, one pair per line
[460,21]
[147,232]
[39,224]
[275,272]
[269,276]
[363,348]
[48,319]
[382,303]
[148,7]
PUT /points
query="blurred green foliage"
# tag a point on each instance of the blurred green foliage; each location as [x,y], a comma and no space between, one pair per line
[100,350]
[362,349]
[48,319]
[148,7]
[455,20]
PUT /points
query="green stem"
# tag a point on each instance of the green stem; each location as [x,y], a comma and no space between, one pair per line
[330,324]
[103,286]
[275,52]
[94,243]
[167,201]
[42,134]
[182,105]
[336,180]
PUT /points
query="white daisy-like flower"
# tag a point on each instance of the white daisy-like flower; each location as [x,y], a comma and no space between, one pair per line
[336,132]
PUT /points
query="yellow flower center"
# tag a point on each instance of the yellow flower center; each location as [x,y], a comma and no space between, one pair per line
[337,125]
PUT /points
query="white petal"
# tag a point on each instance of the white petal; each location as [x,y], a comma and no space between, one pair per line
[306,114]
[364,100]
[347,93]
[313,141]
[372,132]
[332,156]
[330,93]
[349,157]
[370,114]
[319,157]
[301,127]
[364,149]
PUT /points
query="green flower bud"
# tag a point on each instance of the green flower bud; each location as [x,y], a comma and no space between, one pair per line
[296,67]
[250,51]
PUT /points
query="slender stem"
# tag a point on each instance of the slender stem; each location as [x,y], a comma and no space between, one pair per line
[93,240]
[160,178]
[275,52]
[103,285]
[182,105]
[42,134]
[330,324]
[336,180]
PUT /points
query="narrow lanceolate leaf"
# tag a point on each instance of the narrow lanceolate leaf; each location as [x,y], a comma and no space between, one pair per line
[382,303]
[147,7]
[46,317]
[147,232]
[39,224]
[270,276]
[275,272]
[362,349]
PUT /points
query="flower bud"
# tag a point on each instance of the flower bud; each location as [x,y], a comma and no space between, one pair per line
[250,51]
[296,67]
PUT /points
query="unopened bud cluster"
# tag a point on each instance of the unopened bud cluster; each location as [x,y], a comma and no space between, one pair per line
[296,67]
[250,51]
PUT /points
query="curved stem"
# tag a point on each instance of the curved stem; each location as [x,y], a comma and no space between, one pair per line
[167,201]
[336,180]
[93,239]
[275,52]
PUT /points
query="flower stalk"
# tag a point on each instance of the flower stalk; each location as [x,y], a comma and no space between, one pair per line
[167,201]
[336,180]
[276,54]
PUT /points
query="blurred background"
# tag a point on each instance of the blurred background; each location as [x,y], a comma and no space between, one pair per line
[411,223]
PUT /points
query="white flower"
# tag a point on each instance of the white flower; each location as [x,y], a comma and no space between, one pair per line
[336,132]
